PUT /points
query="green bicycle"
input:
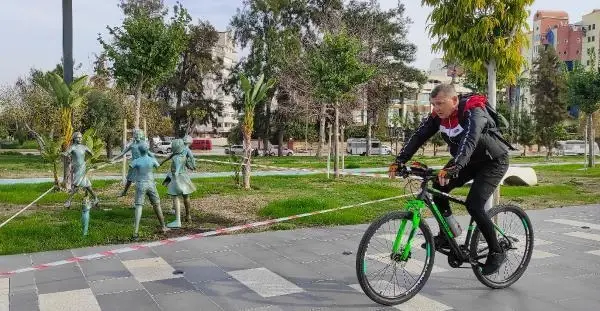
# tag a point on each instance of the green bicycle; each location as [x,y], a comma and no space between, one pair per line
[395,257]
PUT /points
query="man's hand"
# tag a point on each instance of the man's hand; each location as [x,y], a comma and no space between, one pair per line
[394,168]
[445,174]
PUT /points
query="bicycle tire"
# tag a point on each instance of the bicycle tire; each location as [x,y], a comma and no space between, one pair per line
[522,266]
[363,246]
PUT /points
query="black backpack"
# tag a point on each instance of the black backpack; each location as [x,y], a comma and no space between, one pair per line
[500,123]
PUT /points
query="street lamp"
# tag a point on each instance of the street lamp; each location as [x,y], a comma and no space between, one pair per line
[67,6]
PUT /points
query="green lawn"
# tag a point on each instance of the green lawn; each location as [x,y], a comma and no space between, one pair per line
[218,202]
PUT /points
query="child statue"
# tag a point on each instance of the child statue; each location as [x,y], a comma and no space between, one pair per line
[77,152]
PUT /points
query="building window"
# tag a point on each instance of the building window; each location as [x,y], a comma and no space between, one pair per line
[589,39]
[577,52]
[593,26]
[589,27]
[565,52]
[588,62]
[578,40]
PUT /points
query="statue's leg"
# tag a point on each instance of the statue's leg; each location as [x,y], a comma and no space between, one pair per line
[70,198]
[138,205]
[138,217]
[95,199]
[155,200]
[124,192]
[177,222]
[186,203]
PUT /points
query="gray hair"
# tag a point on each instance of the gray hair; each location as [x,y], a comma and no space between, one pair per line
[443,88]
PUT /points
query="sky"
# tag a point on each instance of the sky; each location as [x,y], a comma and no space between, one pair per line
[32,35]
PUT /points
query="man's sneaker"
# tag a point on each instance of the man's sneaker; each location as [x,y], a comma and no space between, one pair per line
[493,262]
[440,242]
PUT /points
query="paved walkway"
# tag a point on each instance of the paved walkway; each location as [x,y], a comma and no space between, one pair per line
[302,270]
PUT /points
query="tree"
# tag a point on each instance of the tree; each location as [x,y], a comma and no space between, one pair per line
[549,89]
[384,34]
[67,97]
[437,141]
[584,91]
[336,71]
[196,66]
[104,112]
[145,49]
[253,94]
[484,36]
[526,131]
[274,31]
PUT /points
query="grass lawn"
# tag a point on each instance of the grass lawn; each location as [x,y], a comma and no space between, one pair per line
[219,203]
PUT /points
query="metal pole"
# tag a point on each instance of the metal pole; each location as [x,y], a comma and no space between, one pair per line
[67,6]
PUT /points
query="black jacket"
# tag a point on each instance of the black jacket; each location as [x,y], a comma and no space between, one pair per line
[470,138]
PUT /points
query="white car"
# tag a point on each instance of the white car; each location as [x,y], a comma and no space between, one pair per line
[387,150]
[239,150]
[163,147]
[285,151]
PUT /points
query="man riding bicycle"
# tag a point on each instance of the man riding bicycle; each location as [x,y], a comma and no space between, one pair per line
[479,153]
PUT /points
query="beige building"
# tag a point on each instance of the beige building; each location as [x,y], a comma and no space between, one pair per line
[591,39]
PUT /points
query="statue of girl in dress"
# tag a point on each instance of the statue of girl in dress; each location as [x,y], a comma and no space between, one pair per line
[178,182]
[77,152]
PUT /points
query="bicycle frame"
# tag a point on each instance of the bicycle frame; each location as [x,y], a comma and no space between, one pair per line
[416,206]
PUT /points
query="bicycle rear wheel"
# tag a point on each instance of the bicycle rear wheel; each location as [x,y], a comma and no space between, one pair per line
[517,242]
[383,275]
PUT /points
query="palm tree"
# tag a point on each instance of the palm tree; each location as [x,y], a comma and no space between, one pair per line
[253,94]
[67,97]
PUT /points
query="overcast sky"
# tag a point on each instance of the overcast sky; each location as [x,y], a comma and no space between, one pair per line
[31,29]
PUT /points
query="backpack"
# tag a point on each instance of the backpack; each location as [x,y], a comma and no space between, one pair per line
[500,123]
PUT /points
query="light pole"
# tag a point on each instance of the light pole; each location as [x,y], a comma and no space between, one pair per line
[67,6]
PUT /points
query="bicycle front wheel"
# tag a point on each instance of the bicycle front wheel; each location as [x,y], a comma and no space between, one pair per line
[385,276]
[515,236]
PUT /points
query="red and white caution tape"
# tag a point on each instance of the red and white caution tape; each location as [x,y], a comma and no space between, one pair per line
[188,237]
[26,207]
[317,171]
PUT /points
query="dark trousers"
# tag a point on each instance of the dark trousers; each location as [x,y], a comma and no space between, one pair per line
[486,176]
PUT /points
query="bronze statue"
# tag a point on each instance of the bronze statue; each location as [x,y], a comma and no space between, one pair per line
[138,140]
[77,152]
[144,167]
[178,181]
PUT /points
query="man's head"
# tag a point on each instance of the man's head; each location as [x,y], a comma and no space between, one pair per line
[77,137]
[444,100]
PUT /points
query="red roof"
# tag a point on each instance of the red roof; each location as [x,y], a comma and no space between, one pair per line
[550,14]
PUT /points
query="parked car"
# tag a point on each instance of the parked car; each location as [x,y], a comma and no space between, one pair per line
[163,147]
[201,144]
[285,151]
[386,150]
[239,150]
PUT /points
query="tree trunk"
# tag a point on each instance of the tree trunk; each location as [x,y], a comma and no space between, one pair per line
[343,151]
[246,160]
[138,102]
[321,130]
[55,174]
[109,147]
[280,141]
[369,133]
[590,141]
[336,139]
[434,150]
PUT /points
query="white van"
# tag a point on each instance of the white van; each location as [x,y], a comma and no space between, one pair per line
[575,147]
[359,146]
